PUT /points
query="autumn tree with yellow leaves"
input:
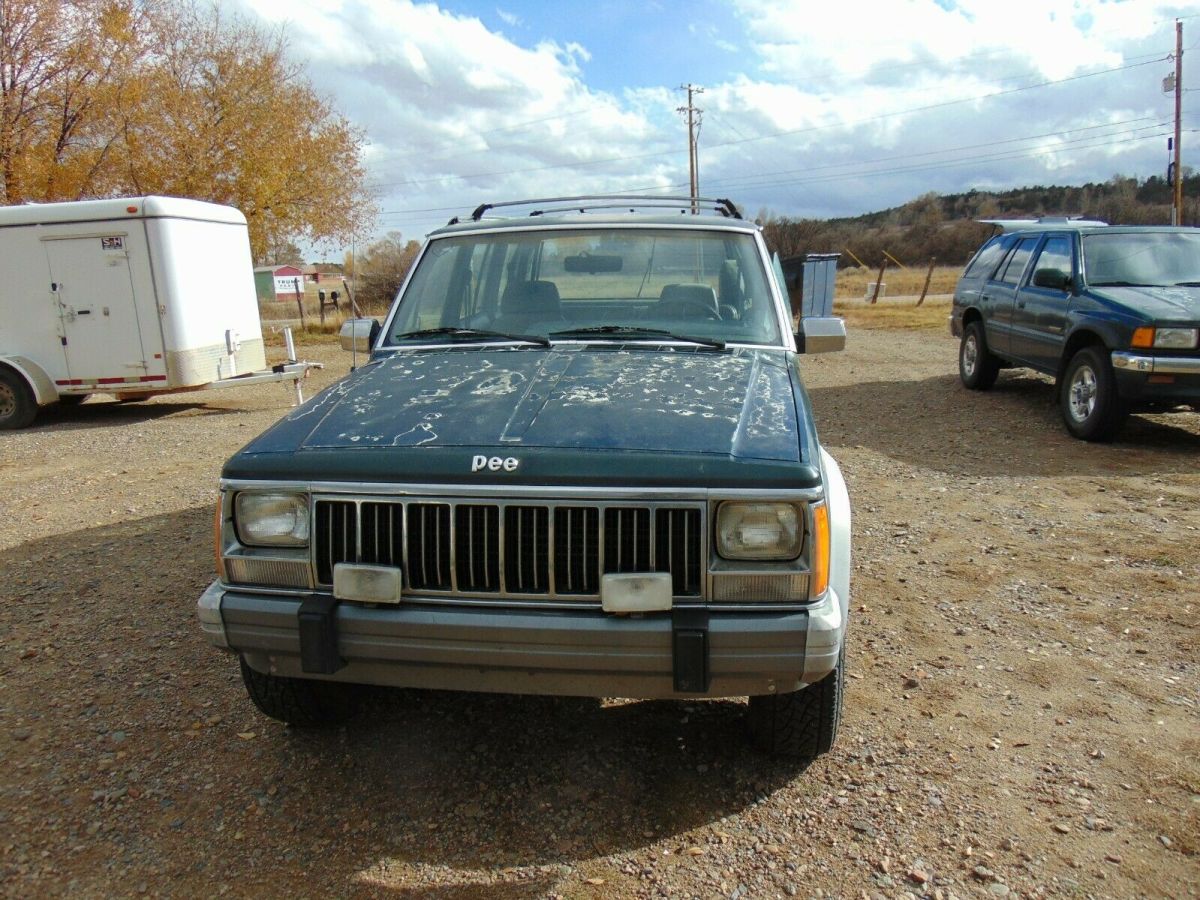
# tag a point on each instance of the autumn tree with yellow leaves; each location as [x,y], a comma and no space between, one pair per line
[104,98]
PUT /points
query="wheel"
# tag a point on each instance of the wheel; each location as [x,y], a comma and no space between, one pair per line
[299,701]
[17,405]
[73,399]
[977,365]
[1091,407]
[803,724]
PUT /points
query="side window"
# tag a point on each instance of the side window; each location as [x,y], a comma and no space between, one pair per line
[985,260]
[1056,254]
[1011,273]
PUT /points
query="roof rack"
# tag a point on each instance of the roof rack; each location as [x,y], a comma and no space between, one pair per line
[631,202]
[1003,225]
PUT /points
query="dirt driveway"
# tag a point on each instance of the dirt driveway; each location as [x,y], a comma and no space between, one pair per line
[1022,714]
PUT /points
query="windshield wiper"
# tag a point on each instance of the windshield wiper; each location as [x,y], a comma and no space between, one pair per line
[473,334]
[1120,284]
[633,331]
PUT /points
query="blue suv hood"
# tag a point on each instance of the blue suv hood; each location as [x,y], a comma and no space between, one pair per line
[1179,304]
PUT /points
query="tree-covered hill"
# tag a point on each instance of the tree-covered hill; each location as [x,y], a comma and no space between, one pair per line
[945,227]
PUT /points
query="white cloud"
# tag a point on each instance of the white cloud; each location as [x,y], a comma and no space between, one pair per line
[836,110]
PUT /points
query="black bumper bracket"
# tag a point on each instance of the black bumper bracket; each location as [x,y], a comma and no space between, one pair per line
[689,648]
[318,636]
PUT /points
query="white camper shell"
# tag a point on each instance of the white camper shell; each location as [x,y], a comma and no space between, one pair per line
[133,297]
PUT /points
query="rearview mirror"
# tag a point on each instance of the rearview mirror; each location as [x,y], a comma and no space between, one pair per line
[359,334]
[821,334]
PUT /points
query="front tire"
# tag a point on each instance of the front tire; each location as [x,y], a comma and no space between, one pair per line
[802,724]
[977,365]
[301,702]
[17,404]
[1091,408]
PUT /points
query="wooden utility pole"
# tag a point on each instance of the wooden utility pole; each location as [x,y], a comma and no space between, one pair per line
[1177,203]
[693,123]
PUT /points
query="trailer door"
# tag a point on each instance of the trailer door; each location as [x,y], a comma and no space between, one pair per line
[102,335]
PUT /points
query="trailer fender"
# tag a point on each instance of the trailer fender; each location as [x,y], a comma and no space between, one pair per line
[39,382]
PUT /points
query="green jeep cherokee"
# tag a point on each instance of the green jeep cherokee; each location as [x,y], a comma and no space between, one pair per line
[579,460]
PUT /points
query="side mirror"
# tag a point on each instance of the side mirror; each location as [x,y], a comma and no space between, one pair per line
[359,334]
[821,334]
[1052,278]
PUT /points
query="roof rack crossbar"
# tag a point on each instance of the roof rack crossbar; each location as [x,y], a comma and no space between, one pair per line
[585,202]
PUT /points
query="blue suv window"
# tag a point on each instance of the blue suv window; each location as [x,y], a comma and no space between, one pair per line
[1011,273]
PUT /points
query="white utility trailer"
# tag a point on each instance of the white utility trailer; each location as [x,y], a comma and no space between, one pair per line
[132,297]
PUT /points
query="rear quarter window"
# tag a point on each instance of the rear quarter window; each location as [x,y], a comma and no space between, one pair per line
[985,260]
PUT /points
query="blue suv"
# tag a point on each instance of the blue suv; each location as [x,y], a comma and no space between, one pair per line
[1112,313]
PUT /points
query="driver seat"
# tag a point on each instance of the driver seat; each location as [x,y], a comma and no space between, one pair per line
[677,297]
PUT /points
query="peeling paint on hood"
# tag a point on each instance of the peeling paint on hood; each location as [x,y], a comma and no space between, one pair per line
[737,402]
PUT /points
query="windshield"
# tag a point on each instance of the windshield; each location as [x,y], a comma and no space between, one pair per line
[593,284]
[1159,258]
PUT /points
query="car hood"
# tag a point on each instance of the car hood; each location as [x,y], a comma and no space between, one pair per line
[1179,304]
[737,402]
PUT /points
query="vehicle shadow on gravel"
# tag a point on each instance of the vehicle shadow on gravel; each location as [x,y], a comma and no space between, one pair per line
[477,782]
[419,782]
[107,414]
[1013,429]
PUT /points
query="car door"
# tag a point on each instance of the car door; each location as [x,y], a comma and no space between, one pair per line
[1040,313]
[999,293]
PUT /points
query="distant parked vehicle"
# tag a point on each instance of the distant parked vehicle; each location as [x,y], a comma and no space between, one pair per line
[1112,313]
[133,297]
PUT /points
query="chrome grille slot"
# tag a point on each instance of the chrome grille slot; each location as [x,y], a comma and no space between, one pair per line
[627,539]
[577,550]
[382,529]
[677,533]
[477,548]
[488,550]
[429,546]
[526,549]
[335,537]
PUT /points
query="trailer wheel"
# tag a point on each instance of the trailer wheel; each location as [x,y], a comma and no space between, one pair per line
[17,406]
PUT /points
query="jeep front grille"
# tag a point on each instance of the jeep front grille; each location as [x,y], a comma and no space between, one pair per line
[547,550]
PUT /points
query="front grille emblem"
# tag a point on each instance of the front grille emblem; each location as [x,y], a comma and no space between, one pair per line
[479,462]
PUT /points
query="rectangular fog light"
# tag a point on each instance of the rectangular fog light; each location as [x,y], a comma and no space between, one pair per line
[792,588]
[630,592]
[366,584]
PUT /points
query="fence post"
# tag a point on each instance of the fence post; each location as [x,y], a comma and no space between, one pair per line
[878,281]
[353,303]
[928,275]
[299,301]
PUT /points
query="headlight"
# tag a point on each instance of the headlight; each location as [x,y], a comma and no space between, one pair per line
[759,530]
[272,520]
[1175,338]
[1166,338]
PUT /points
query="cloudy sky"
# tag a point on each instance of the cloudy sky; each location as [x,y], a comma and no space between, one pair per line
[810,109]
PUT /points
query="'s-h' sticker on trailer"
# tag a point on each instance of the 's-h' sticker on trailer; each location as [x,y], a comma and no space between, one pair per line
[116,242]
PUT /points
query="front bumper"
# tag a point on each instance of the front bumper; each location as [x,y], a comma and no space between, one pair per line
[583,652]
[1134,372]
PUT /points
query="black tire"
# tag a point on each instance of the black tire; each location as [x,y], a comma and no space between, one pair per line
[73,399]
[803,724]
[977,365]
[1087,395]
[299,701]
[17,404]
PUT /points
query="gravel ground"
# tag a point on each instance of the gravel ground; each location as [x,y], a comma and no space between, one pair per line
[1022,706]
